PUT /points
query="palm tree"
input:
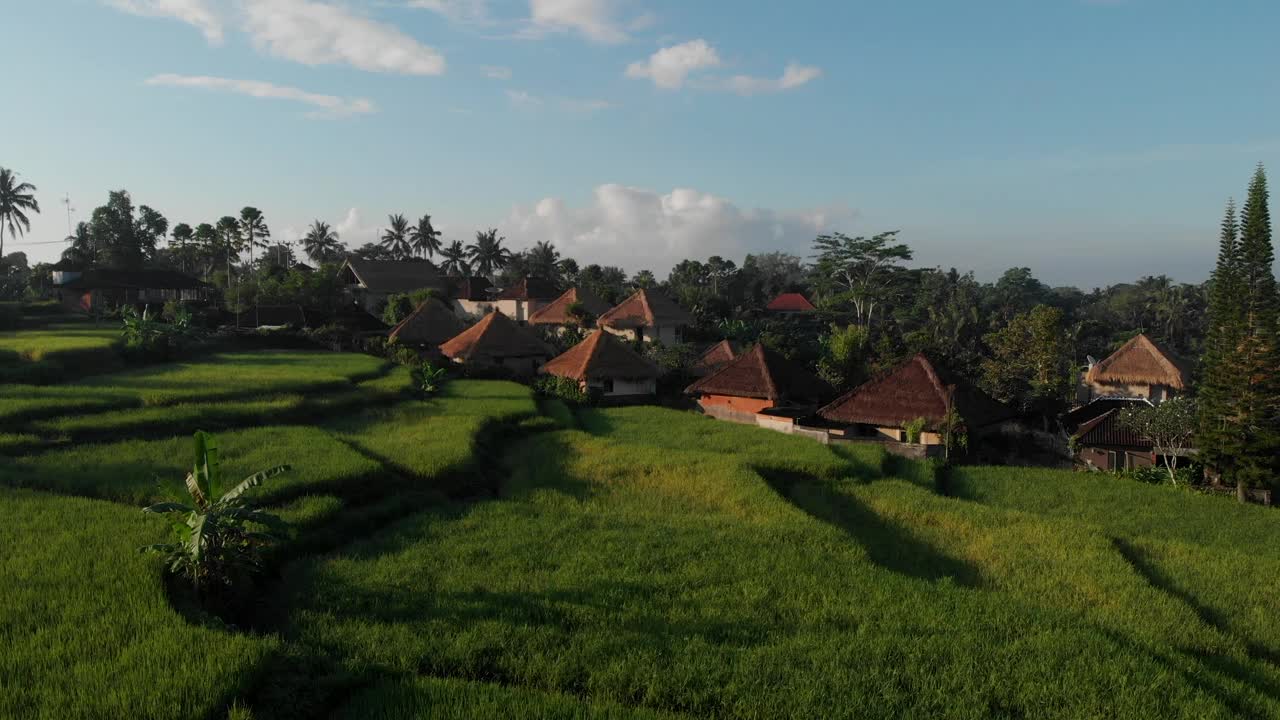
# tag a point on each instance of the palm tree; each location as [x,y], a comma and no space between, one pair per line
[81,249]
[544,261]
[205,238]
[455,259]
[229,240]
[182,234]
[396,238]
[15,198]
[487,253]
[425,238]
[253,227]
[321,242]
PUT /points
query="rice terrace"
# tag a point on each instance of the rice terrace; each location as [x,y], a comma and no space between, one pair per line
[609,359]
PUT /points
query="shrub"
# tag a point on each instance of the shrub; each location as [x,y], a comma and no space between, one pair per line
[146,338]
[216,550]
[429,379]
[913,429]
[566,389]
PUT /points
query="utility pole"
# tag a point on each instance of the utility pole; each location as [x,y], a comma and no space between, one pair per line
[66,200]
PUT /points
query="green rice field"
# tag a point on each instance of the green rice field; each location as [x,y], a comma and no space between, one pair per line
[483,554]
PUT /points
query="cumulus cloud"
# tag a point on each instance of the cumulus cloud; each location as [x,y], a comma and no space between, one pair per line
[638,228]
[316,33]
[597,20]
[793,76]
[353,231]
[466,11]
[330,105]
[193,12]
[669,66]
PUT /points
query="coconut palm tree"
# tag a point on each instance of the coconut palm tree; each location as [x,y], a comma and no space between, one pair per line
[253,228]
[396,238]
[229,240]
[543,261]
[81,248]
[487,254]
[16,199]
[425,238]
[321,242]
[455,260]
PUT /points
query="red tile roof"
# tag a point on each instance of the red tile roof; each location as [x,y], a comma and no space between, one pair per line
[557,313]
[714,358]
[601,356]
[430,324]
[530,288]
[762,373]
[645,308]
[1140,362]
[790,302]
[496,336]
[913,390]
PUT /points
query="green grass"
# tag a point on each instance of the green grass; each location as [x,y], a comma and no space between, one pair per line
[446,699]
[85,625]
[77,341]
[672,579]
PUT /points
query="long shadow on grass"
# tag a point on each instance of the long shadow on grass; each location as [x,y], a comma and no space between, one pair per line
[888,544]
[1209,616]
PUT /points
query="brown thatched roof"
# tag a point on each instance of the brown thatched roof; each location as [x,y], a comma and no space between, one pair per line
[645,308]
[557,313]
[763,373]
[430,324]
[1141,361]
[530,288]
[913,390]
[494,337]
[713,358]
[601,356]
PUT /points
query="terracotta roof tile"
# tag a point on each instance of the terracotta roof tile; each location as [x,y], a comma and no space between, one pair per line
[645,308]
[430,324]
[557,313]
[1141,361]
[601,356]
[790,302]
[494,337]
[762,373]
[913,390]
[714,358]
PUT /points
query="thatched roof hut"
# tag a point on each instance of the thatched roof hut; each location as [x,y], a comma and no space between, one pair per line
[713,358]
[763,374]
[601,357]
[645,308]
[495,340]
[557,313]
[1141,361]
[914,389]
[431,323]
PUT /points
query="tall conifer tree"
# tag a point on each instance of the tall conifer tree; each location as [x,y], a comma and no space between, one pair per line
[1218,437]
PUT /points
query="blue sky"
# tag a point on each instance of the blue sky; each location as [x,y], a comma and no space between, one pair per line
[1094,141]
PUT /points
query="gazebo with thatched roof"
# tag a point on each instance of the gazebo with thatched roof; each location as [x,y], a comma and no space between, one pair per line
[1141,368]
[496,342]
[429,325]
[605,364]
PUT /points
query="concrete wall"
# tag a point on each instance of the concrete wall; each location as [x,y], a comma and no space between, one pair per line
[666,334]
[1116,459]
[733,404]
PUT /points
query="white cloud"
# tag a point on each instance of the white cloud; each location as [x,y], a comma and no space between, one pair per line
[522,98]
[639,228]
[465,11]
[329,105]
[316,33]
[793,76]
[527,100]
[496,72]
[192,12]
[669,66]
[595,19]
[352,230]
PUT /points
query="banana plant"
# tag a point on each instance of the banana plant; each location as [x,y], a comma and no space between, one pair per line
[216,545]
[430,379]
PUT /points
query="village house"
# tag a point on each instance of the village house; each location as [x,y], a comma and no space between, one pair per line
[98,289]
[427,327]
[496,342]
[713,358]
[371,282]
[1141,372]
[648,316]
[471,295]
[557,313]
[790,304]
[605,365]
[884,406]
[760,387]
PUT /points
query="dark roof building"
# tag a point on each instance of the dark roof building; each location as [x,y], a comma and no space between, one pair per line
[557,313]
[391,276]
[763,374]
[912,390]
[645,308]
[139,279]
[469,288]
[713,358]
[430,324]
[530,289]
